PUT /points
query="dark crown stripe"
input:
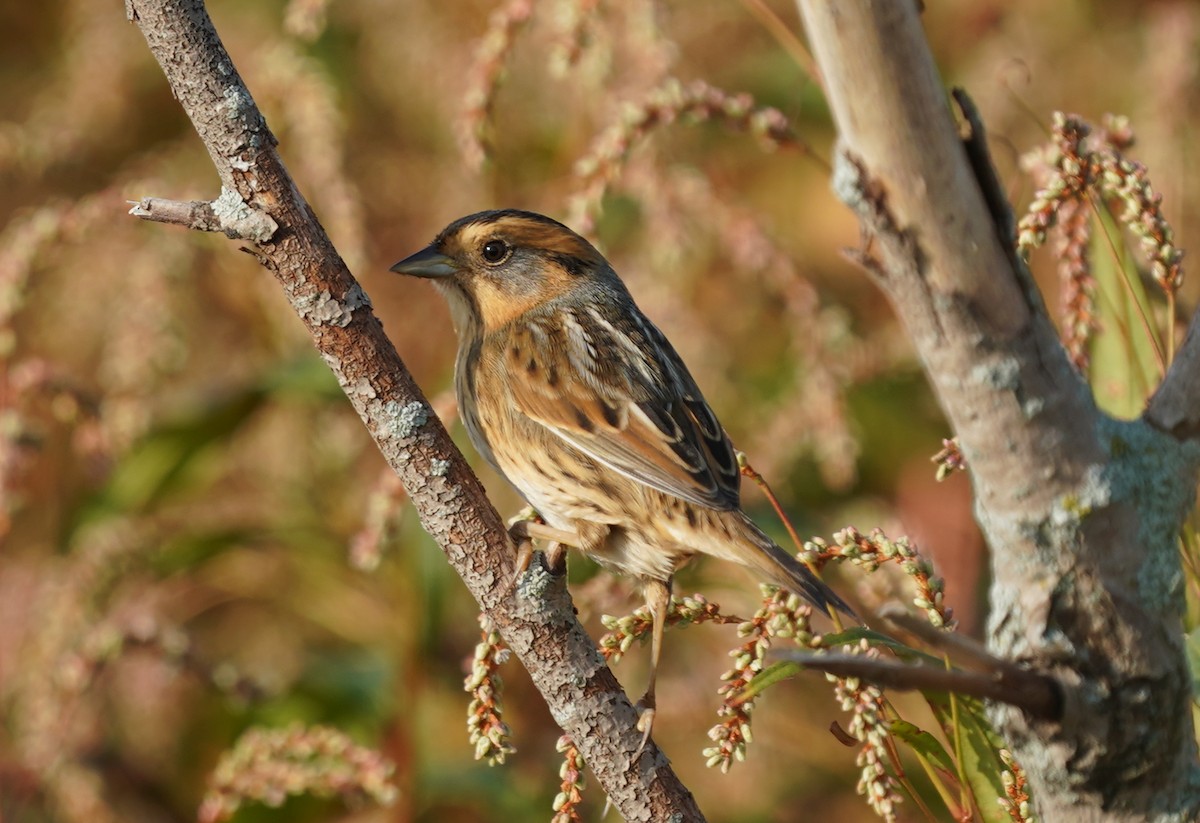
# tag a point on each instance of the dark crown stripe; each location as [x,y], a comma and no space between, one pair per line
[486,218]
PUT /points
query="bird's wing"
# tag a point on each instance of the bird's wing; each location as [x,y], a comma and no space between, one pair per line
[614,388]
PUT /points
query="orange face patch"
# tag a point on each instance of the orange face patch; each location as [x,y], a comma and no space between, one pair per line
[498,306]
[546,262]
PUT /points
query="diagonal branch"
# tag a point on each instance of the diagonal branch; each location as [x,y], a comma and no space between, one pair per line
[536,618]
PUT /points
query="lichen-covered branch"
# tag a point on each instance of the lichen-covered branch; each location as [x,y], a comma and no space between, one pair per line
[228,214]
[1081,512]
[535,618]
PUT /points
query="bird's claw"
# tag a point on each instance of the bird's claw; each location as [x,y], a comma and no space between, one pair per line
[524,544]
[556,558]
[523,531]
[524,557]
[645,725]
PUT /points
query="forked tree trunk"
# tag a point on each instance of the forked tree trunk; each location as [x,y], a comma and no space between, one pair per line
[1082,512]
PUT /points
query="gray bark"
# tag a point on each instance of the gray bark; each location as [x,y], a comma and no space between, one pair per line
[1082,512]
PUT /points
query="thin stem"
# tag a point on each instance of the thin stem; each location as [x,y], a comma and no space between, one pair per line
[939,785]
[964,800]
[1170,326]
[790,43]
[902,777]
[752,473]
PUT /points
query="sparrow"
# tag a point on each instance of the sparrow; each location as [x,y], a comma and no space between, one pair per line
[583,405]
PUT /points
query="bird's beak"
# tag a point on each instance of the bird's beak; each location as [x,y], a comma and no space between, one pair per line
[428,262]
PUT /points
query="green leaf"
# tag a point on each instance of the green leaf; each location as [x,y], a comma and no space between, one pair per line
[855,634]
[783,670]
[923,743]
[1124,367]
[980,754]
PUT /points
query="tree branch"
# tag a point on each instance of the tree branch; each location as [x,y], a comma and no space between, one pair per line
[1081,512]
[962,650]
[1175,407]
[228,214]
[1029,692]
[990,677]
[536,618]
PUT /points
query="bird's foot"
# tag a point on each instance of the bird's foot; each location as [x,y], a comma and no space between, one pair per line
[524,555]
[556,558]
[645,725]
[524,532]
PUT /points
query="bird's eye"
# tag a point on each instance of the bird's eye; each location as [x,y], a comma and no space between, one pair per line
[495,250]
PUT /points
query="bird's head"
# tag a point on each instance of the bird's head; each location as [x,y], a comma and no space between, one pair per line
[495,266]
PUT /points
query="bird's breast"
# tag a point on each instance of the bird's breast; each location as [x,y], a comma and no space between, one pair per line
[466,388]
[561,482]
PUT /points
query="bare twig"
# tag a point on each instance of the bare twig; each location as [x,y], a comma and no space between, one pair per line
[1031,693]
[992,678]
[227,214]
[962,649]
[535,618]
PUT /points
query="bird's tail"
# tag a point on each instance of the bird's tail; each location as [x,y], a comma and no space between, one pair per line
[782,569]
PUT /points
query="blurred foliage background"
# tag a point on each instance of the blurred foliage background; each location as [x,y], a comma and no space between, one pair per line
[198,536]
